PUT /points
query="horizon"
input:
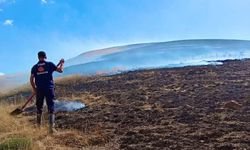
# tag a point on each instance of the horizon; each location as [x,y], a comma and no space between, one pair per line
[127,44]
[131,44]
[67,29]
[170,54]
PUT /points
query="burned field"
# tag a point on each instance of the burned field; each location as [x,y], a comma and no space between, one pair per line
[178,108]
[201,107]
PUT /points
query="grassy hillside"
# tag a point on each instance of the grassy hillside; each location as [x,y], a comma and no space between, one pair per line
[178,108]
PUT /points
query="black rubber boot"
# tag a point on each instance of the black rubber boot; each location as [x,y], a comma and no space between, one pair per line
[39,120]
[52,123]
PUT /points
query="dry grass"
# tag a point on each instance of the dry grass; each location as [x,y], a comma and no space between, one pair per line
[21,89]
[64,89]
[147,106]
[21,130]
[16,129]
[155,106]
[26,88]
[71,80]
[76,139]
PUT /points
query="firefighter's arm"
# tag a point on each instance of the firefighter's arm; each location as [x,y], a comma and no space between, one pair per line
[32,83]
[60,66]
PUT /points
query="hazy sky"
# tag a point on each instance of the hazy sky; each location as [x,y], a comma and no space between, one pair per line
[66,28]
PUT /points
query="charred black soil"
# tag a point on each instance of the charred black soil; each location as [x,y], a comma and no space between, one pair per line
[177,108]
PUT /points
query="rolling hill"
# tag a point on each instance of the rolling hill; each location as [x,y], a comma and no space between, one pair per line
[146,55]
[155,55]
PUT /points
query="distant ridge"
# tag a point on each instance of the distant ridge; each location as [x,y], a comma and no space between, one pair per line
[146,55]
[114,49]
[160,54]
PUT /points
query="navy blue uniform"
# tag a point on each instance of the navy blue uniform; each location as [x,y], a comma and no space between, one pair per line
[42,72]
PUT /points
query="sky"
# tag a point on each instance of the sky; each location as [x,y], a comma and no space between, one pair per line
[67,28]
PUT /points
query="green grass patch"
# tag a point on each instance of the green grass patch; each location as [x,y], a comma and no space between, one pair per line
[16,144]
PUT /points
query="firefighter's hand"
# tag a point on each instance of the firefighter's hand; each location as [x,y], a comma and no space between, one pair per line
[34,91]
[62,61]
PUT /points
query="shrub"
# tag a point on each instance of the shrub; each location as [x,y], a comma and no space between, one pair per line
[16,144]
